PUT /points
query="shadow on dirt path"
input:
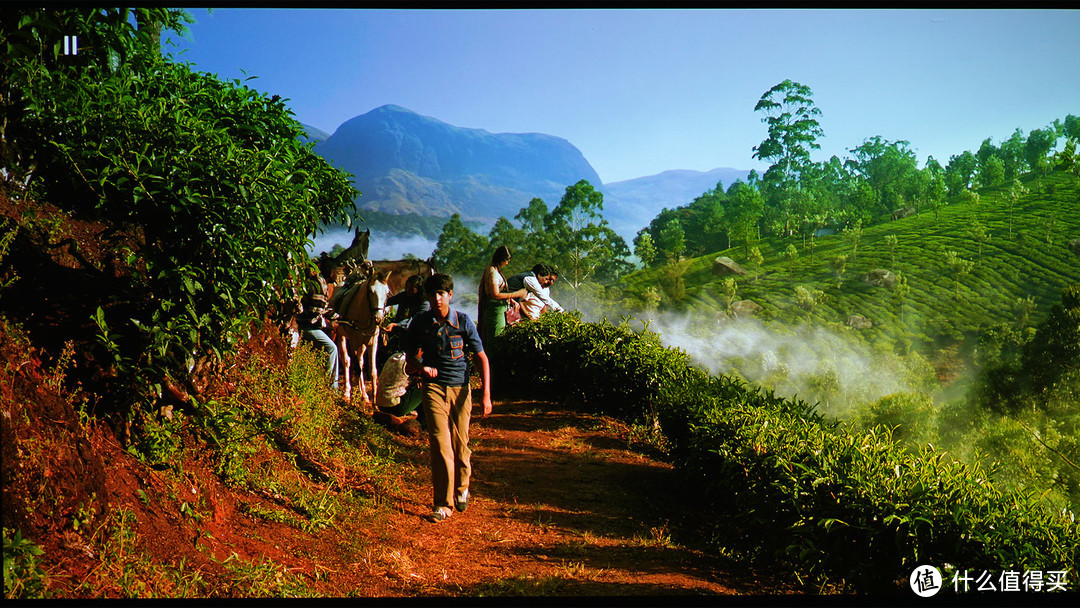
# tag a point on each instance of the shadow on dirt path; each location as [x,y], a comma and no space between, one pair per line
[561,506]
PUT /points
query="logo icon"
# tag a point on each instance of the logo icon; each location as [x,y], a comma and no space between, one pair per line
[925,581]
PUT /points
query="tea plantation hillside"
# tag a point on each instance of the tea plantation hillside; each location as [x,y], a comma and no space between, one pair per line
[1013,249]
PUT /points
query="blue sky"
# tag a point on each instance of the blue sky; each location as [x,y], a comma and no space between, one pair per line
[644,91]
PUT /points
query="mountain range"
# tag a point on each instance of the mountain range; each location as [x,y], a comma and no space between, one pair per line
[405,163]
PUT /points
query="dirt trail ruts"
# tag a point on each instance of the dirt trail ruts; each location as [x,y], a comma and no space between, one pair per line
[562,504]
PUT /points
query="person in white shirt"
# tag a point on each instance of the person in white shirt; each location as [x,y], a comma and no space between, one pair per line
[537,283]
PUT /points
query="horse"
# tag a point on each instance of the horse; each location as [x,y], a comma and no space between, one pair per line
[399,271]
[362,308]
[357,250]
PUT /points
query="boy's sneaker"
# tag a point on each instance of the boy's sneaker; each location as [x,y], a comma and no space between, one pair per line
[461,501]
[439,514]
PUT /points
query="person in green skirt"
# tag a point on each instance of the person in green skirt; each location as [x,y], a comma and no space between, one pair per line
[493,298]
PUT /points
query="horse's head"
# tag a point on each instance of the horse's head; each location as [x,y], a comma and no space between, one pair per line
[378,293]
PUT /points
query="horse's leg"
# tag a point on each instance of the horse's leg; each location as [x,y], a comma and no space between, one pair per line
[374,369]
[360,350]
[346,363]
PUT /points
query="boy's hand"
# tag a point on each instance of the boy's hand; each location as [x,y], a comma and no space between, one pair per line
[428,372]
[486,403]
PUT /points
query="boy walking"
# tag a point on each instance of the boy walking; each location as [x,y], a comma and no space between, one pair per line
[436,347]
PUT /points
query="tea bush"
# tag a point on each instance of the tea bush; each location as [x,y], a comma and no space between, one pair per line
[205,182]
[839,502]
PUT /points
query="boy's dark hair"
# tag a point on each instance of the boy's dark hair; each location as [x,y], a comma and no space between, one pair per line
[541,269]
[416,281]
[438,282]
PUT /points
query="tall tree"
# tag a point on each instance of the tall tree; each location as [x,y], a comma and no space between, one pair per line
[793,132]
[991,172]
[745,205]
[672,240]
[582,243]
[1038,145]
[887,167]
[532,216]
[644,248]
[1012,154]
[960,171]
[459,249]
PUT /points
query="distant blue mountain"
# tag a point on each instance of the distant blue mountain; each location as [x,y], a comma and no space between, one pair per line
[403,162]
[631,204]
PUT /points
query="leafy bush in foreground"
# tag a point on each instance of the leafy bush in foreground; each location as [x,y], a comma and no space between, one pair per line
[202,188]
[838,502]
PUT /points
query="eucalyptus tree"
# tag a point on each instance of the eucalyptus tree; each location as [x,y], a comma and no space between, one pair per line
[793,131]
[887,167]
[960,171]
[992,172]
[672,240]
[986,150]
[1038,145]
[729,288]
[582,244]
[459,249]
[980,235]
[1013,155]
[644,248]
[937,192]
[744,208]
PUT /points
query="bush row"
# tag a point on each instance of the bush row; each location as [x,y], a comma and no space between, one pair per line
[839,503]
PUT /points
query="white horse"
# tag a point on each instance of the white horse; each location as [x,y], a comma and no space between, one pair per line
[362,308]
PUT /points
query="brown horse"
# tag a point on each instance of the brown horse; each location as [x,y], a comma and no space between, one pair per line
[362,308]
[399,271]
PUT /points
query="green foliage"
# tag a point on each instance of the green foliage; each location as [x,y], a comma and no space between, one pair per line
[1011,268]
[211,180]
[23,574]
[573,236]
[837,502]
[793,130]
[644,248]
[888,167]
[459,249]
[908,415]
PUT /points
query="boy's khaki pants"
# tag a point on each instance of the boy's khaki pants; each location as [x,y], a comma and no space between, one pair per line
[447,410]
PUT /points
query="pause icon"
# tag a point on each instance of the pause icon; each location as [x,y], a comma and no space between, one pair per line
[71,45]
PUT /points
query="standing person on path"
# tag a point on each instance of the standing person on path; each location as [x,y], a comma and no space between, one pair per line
[493,297]
[537,283]
[436,347]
